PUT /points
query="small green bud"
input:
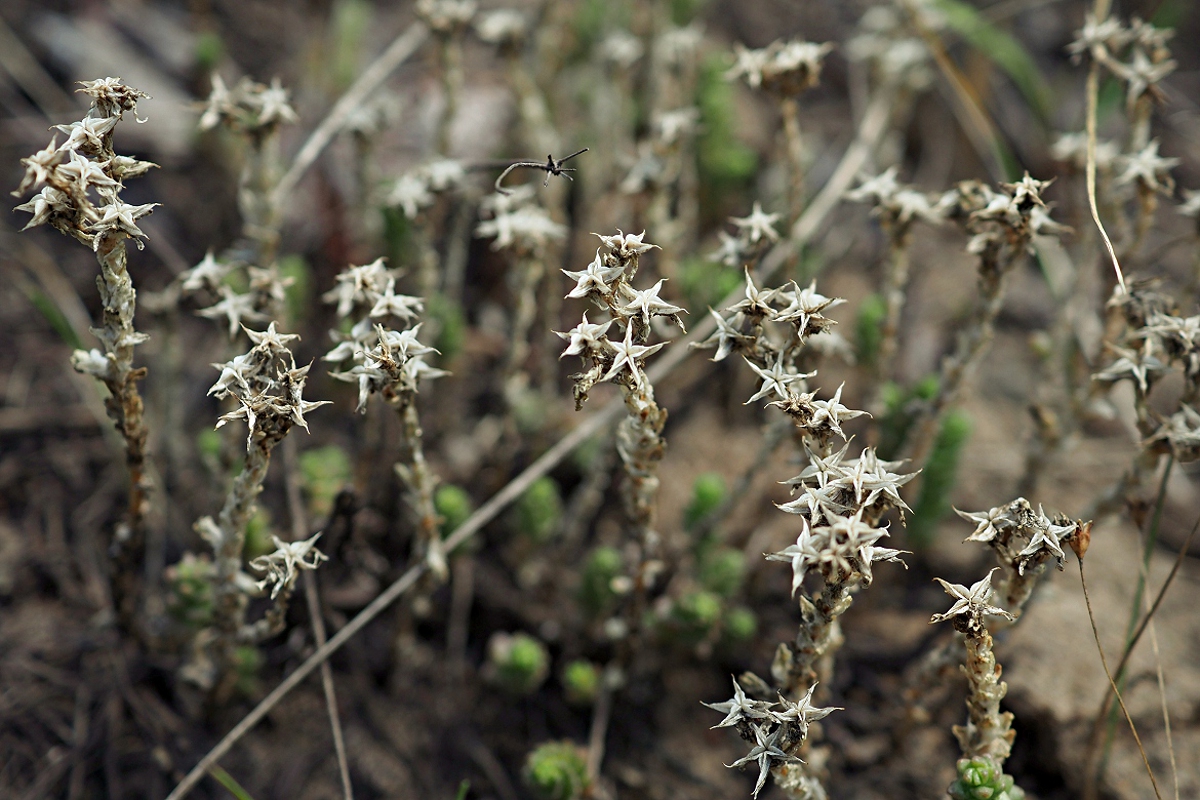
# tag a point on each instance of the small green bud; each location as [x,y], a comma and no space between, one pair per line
[722,570]
[981,778]
[517,662]
[708,492]
[595,589]
[539,510]
[740,625]
[208,51]
[556,771]
[324,471]
[247,662]
[258,535]
[696,613]
[450,325]
[208,444]
[297,277]
[189,590]
[941,474]
[581,681]
[868,328]
[453,505]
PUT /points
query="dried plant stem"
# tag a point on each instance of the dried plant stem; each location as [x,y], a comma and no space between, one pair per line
[1097,735]
[124,407]
[229,600]
[988,731]
[300,531]
[894,292]
[399,51]
[972,344]
[528,273]
[261,214]
[789,109]
[1100,11]
[1090,777]
[871,128]
[601,715]
[450,62]
[640,445]
[421,483]
[820,635]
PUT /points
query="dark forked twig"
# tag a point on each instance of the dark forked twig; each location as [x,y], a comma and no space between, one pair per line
[552,167]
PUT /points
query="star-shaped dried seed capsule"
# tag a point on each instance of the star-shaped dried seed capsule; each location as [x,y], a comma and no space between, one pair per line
[273,105]
[802,712]
[235,308]
[283,565]
[988,524]
[972,604]
[594,278]
[758,226]
[402,306]
[647,304]
[208,274]
[123,218]
[764,752]
[1047,538]
[627,356]
[271,341]
[1143,366]
[626,246]
[775,380]
[757,302]
[804,307]
[805,553]
[585,337]
[1149,169]
[725,337]
[739,707]
[831,412]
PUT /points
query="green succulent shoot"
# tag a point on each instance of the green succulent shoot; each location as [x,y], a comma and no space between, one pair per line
[189,590]
[739,625]
[980,778]
[581,682]
[453,505]
[517,663]
[695,614]
[596,593]
[539,510]
[708,492]
[721,571]
[324,471]
[556,771]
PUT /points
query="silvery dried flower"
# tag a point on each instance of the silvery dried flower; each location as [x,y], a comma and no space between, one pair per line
[801,713]
[739,708]
[235,308]
[971,605]
[528,227]
[1179,434]
[446,16]
[1148,169]
[505,27]
[758,226]
[1072,148]
[208,274]
[284,565]
[627,356]
[621,49]
[785,68]
[586,338]
[765,753]
[1142,366]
